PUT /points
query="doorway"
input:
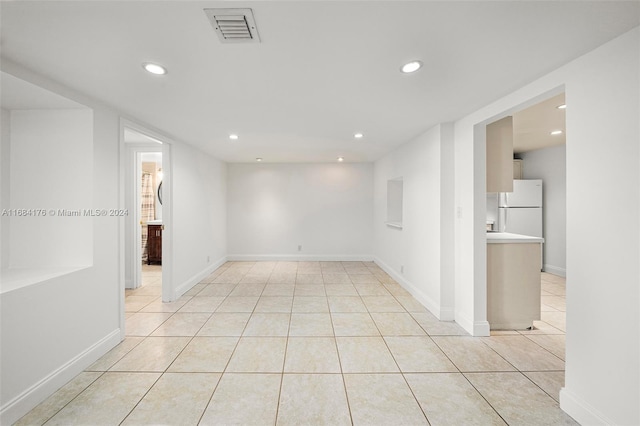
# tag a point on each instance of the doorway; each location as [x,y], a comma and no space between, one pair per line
[146,195]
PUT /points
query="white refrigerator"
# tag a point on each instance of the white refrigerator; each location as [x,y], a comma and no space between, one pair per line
[520,211]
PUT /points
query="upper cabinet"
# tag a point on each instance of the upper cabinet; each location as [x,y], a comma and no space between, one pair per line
[500,155]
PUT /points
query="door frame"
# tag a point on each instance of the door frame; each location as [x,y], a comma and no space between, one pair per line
[130,245]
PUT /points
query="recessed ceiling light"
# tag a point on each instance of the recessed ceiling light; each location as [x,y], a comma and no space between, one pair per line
[358,135]
[563,106]
[340,159]
[233,137]
[556,132]
[154,68]
[410,67]
[258,159]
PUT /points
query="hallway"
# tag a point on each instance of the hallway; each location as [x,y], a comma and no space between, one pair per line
[312,343]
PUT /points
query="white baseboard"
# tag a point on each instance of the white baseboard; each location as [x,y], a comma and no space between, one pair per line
[474,328]
[188,284]
[301,257]
[555,270]
[581,411]
[27,400]
[442,313]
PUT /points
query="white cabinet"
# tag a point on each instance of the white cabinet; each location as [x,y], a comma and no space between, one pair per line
[500,155]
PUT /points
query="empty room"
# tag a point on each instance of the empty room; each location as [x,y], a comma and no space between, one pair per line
[320,213]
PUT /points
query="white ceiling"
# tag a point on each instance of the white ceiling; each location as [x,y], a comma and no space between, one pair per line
[323,69]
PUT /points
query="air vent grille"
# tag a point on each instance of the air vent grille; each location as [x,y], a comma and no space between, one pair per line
[234,25]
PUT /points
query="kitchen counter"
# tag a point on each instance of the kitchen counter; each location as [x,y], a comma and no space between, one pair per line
[507,238]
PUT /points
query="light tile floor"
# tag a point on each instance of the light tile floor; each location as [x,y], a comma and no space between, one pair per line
[313,343]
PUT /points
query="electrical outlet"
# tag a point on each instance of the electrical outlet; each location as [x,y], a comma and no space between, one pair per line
[208,259]
[402,269]
[300,247]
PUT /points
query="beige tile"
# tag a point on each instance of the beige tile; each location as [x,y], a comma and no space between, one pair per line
[136,303]
[555,319]
[143,324]
[258,355]
[411,304]
[188,395]
[274,304]
[108,400]
[336,278]
[311,355]
[268,324]
[310,304]
[220,290]
[365,355]
[471,354]
[449,399]
[357,270]
[434,327]
[238,304]
[517,400]
[309,290]
[549,381]
[195,290]
[247,290]
[556,302]
[50,406]
[205,355]
[382,399]
[260,278]
[278,290]
[310,324]
[554,343]
[418,354]
[282,278]
[153,354]
[364,279]
[313,399]
[395,289]
[225,324]
[354,324]
[202,304]
[159,306]
[382,304]
[286,267]
[228,277]
[340,290]
[114,355]
[524,354]
[397,324]
[555,289]
[244,399]
[346,304]
[182,324]
[372,290]
[541,327]
[309,278]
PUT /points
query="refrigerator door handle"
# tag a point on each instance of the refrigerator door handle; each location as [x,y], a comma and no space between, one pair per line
[506,218]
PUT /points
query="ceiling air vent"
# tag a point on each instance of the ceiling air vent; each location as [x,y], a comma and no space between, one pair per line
[234,25]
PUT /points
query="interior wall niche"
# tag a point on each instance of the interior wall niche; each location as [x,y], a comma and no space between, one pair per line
[48,183]
[394,202]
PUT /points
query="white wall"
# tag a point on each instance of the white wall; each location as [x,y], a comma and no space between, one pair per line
[550,165]
[44,145]
[5,173]
[199,210]
[420,254]
[603,326]
[54,329]
[325,208]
